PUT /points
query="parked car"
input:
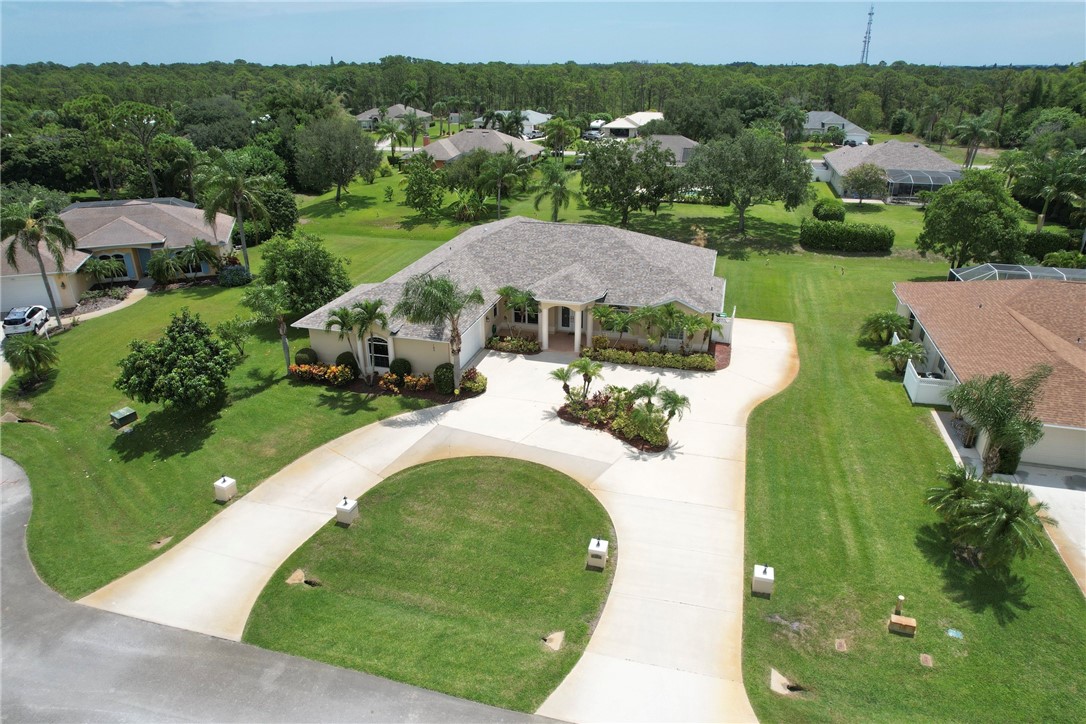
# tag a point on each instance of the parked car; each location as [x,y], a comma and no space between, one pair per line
[20,320]
[591,135]
[532,135]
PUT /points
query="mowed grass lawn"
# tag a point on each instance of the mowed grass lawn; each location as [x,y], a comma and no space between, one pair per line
[101,498]
[450,579]
[837,466]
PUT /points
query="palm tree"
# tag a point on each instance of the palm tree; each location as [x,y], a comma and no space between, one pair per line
[1011,163]
[961,487]
[370,313]
[512,123]
[670,319]
[31,354]
[413,126]
[1052,178]
[226,187]
[589,370]
[345,319]
[564,375]
[792,119]
[271,303]
[646,393]
[199,252]
[32,226]
[972,132]
[391,131]
[881,326]
[101,269]
[411,95]
[504,170]
[903,352]
[518,300]
[1003,523]
[440,111]
[672,403]
[467,206]
[428,299]
[554,182]
[164,267]
[1002,408]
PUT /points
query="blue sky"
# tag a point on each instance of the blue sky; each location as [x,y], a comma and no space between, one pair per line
[918,31]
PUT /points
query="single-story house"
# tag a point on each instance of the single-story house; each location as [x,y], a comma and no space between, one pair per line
[568,268]
[449,149]
[681,146]
[532,120]
[819,121]
[125,230]
[987,327]
[909,167]
[371,118]
[627,126]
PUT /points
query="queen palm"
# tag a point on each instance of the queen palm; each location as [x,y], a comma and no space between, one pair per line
[199,252]
[554,183]
[369,315]
[33,227]
[413,126]
[427,299]
[972,132]
[391,131]
[345,320]
[226,187]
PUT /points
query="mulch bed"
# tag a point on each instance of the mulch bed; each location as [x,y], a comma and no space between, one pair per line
[637,442]
[185,284]
[361,387]
[723,354]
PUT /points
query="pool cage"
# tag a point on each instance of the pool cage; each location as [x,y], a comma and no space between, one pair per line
[906,184]
[996,272]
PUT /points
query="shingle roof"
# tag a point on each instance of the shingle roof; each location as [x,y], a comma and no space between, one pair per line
[635,120]
[26,264]
[1009,326]
[470,139]
[890,155]
[572,263]
[820,120]
[531,118]
[680,146]
[137,222]
[398,110]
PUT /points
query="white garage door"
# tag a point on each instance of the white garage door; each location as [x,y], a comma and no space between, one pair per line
[23,291]
[471,341]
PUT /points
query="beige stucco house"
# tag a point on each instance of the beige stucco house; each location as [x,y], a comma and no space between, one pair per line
[568,268]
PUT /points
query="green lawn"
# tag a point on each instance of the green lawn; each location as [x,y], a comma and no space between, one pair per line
[836,469]
[452,575]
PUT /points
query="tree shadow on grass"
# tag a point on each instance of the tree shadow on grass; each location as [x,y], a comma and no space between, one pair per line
[346,402]
[348,203]
[979,590]
[165,433]
[433,220]
[262,380]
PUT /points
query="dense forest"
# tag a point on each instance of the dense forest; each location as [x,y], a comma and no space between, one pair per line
[136,130]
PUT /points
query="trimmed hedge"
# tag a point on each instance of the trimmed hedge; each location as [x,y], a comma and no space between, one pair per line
[839,236]
[515,345]
[234,276]
[1040,244]
[829,210]
[305,356]
[443,378]
[401,367]
[645,358]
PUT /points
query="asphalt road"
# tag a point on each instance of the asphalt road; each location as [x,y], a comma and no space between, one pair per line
[65,662]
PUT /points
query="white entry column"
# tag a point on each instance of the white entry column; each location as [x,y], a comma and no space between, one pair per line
[588,331]
[544,313]
[577,332]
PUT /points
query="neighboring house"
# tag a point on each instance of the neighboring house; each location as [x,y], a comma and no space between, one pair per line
[371,118]
[819,121]
[681,146]
[125,230]
[568,268]
[987,327]
[627,126]
[909,167]
[532,120]
[470,139]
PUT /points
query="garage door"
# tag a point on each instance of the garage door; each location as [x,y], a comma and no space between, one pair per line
[23,291]
[471,341]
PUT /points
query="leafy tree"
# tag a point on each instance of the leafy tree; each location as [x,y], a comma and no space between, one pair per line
[867,181]
[834,135]
[334,151]
[1004,409]
[867,113]
[616,177]
[753,168]
[881,326]
[1065,260]
[164,266]
[428,299]
[226,187]
[236,331]
[271,303]
[33,228]
[466,173]
[186,368]
[101,269]
[903,352]
[972,220]
[658,180]
[22,192]
[91,116]
[219,122]
[143,123]
[972,132]
[413,127]
[312,274]
[554,183]
[424,186]
[31,355]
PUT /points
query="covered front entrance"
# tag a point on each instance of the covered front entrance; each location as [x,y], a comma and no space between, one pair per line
[558,322]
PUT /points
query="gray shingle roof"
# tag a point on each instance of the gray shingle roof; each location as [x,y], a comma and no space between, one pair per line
[470,139]
[681,146]
[398,110]
[573,263]
[821,120]
[27,264]
[137,222]
[890,155]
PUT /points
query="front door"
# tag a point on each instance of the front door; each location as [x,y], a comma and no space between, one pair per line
[565,320]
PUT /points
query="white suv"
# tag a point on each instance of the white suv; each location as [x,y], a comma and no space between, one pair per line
[25,319]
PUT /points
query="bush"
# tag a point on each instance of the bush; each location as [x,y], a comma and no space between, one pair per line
[385,170]
[443,378]
[600,342]
[390,382]
[346,359]
[1065,259]
[648,358]
[829,210]
[473,381]
[305,356]
[234,275]
[516,345]
[337,375]
[1040,244]
[839,236]
[417,383]
[401,368]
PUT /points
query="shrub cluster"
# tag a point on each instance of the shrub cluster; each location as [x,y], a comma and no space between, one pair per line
[391,382]
[337,375]
[234,275]
[614,409]
[839,236]
[1040,244]
[305,356]
[829,210]
[401,368]
[117,293]
[443,378]
[516,345]
[346,359]
[473,381]
[645,358]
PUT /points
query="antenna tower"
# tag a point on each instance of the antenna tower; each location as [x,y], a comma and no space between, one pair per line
[867,35]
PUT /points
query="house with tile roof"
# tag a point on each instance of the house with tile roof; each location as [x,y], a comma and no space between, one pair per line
[568,268]
[820,121]
[909,167]
[127,230]
[449,149]
[982,328]
[627,126]
[369,119]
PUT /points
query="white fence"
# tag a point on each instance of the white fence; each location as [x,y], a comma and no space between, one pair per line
[925,390]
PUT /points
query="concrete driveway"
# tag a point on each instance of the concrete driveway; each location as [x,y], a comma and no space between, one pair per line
[668,645]
[63,662]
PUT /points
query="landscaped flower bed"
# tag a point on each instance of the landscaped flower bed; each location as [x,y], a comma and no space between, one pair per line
[516,345]
[648,358]
[335,375]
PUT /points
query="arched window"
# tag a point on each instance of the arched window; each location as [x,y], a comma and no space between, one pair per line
[378,352]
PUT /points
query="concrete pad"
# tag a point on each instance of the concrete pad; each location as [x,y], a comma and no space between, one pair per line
[709,439]
[671,524]
[690,577]
[583,442]
[678,477]
[443,442]
[497,417]
[605,689]
[254,532]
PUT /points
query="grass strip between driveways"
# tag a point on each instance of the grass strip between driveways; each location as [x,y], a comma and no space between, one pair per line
[450,578]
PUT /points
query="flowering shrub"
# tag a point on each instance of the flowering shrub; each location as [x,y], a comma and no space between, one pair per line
[389,382]
[337,375]
[473,380]
[516,345]
[417,383]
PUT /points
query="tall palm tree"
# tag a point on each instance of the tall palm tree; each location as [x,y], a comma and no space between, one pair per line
[440,111]
[345,320]
[554,182]
[201,251]
[504,170]
[370,314]
[1052,178]
[413,126]
[972,132]
[391,131]
[226,187]
[427,299]
[792,119]
[411,95]
[32,227]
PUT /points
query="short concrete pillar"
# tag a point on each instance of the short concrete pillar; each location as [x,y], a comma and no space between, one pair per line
[597,554]
[225,489]
[762,581]
[347,511]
